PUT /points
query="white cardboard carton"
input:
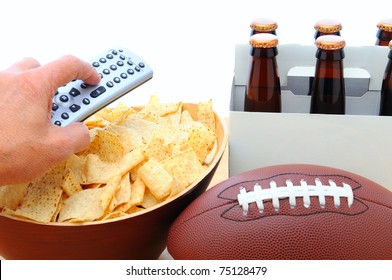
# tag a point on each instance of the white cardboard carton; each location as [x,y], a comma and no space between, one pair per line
[360,141]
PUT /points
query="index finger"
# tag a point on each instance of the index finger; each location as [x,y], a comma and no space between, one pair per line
[63,70]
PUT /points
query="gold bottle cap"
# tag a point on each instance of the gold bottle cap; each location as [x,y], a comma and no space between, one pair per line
[385,24]
[330,42]
[263,40]
[263,25]
[328,26]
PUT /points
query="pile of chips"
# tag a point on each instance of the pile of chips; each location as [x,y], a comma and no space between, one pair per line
[137,158]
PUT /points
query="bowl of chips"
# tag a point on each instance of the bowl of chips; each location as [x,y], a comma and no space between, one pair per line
[118,197]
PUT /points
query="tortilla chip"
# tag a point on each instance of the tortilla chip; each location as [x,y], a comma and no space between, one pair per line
[157,149]
[205,114]
[70,184]
[123,195]
[106,145]
[94,202]
[138,188]
[185,167]
[156,178]
[142,130]
[91,169]
[201,139]
[127,138]
[95,121]
[12,196]
[43,196]
[149,200]
[186,117]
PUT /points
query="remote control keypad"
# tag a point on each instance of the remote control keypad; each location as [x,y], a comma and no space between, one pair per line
[120,72]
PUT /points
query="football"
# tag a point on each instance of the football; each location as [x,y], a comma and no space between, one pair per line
[295,211]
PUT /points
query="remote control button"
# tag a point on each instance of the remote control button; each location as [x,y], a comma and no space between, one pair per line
[106,71]
[54,106]
[130,71]
[65,116]
[84,85]
[123,75]
[74,108]
[116,80]
[97,92]
[110,84]
[95,64]
[114,52]
[113,67]
[122,57]
[109,56]
[137,68]
[86,101]
[74,92]
[64,98]
[120,63]
[57,123]
[130,63]
[102,60]
[57,92]
[141,64]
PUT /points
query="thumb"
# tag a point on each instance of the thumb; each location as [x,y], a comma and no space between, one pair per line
[72,138]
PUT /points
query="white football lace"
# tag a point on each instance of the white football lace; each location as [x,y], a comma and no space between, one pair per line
[305,191]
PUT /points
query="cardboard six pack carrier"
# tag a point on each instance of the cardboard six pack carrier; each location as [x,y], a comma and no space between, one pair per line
[359,141]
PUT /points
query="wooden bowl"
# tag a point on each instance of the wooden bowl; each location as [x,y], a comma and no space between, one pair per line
[136,236]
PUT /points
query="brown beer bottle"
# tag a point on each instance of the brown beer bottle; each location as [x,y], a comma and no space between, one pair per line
[327,27]
[328,89]
[263,25]
[263,88]
[386,88]
[384,32]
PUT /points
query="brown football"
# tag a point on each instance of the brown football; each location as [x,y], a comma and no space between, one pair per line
[294,211]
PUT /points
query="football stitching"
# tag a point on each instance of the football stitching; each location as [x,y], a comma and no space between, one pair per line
[246,218]
[231,200]
[221,195]
[304,190]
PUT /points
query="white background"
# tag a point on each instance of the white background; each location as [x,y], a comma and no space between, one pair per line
[189,44]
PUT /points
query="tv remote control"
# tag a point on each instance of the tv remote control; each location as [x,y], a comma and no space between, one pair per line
[121,71]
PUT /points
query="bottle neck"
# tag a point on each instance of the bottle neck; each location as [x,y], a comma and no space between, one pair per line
[264,53]
[384,35]
[333,55]
[329,64]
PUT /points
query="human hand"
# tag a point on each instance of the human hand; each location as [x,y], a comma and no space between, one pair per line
[29,143]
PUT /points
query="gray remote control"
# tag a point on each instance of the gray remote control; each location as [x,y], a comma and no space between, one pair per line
[121,71]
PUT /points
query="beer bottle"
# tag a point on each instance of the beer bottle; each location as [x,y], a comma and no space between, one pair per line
[384,32]
[327,27]
[263,88]
[328,89]
[263,25]
[386,88]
